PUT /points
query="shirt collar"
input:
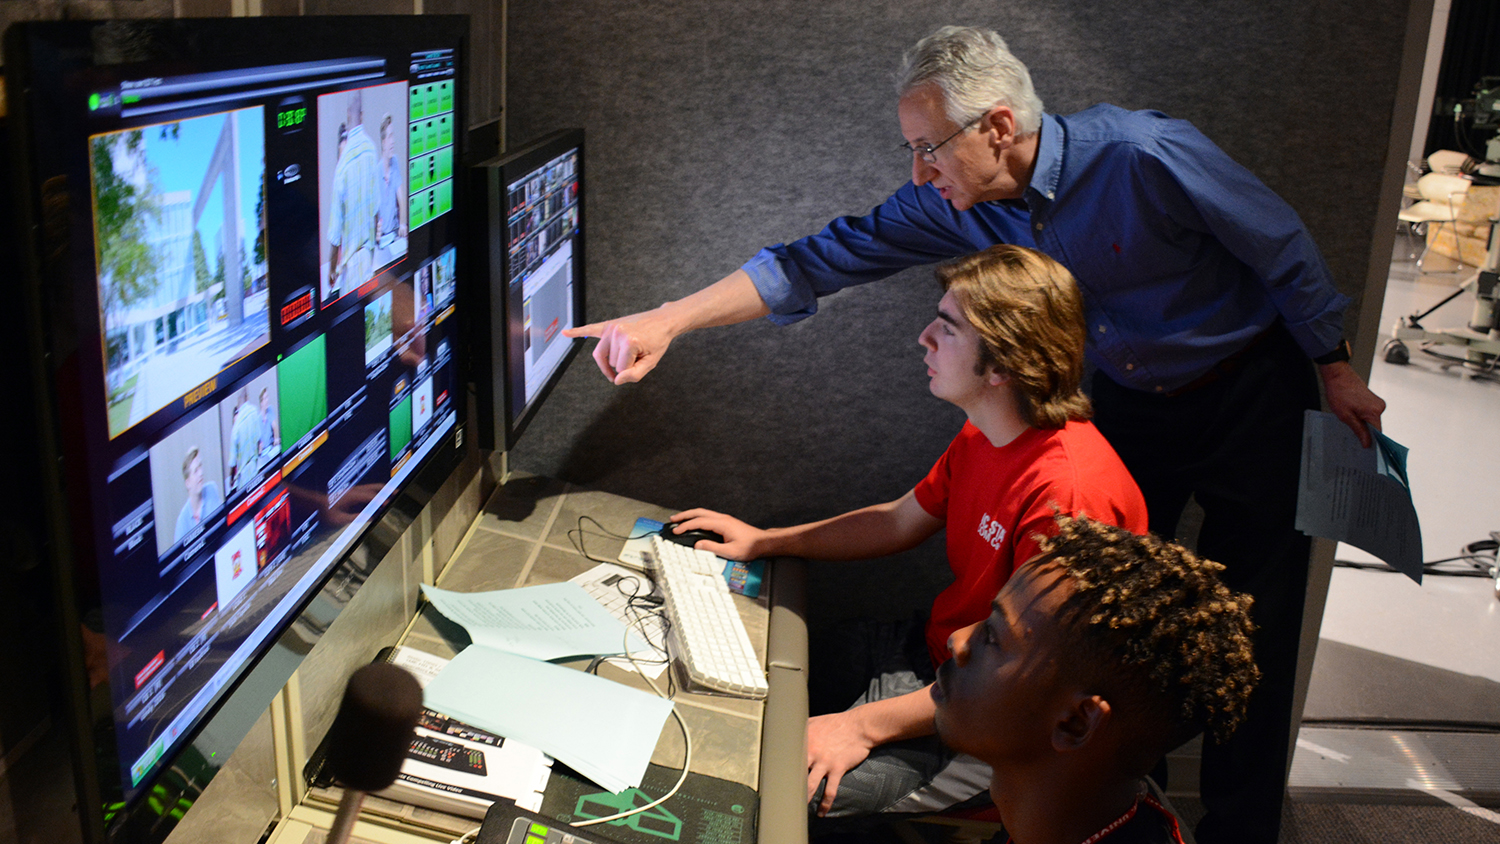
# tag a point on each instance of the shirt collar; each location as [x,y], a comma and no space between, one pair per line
[1049,158]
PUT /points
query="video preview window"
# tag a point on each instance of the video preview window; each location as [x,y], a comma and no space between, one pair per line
[180,239]
[187,481]
[362,185]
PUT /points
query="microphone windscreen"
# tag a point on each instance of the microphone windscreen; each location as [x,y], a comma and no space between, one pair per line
[374,727]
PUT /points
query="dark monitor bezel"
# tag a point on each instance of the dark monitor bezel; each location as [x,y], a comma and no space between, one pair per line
[500,424]
[49,330]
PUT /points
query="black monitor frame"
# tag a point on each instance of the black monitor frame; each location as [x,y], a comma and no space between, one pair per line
[57,241]
[501,418]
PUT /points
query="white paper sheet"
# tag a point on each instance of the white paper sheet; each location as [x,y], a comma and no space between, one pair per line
[1358,495]
[602,729]
[552,621]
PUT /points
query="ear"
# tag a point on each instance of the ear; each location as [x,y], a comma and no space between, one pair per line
[998,377]
[1081,723]
[1002,121]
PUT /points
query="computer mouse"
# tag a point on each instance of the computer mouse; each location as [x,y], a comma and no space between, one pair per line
[688,537]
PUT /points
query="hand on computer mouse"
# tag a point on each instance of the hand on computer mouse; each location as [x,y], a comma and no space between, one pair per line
[737,540]
[690,538]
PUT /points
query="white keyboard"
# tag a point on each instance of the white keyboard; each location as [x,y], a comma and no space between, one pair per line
[715,648]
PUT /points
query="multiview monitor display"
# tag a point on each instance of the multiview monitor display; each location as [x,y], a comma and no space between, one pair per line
[534,249]
[262,230]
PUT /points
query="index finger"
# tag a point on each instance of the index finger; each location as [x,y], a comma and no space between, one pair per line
[593,329]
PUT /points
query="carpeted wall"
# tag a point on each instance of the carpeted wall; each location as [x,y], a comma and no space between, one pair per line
[715,128]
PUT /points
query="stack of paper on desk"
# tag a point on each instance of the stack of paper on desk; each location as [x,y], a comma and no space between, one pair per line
[457,768]
[543,622]
[604,730]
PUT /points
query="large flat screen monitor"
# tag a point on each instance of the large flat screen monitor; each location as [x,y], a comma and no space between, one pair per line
[242,301]
[533,248]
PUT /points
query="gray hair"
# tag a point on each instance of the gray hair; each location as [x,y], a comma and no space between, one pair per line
[975,71]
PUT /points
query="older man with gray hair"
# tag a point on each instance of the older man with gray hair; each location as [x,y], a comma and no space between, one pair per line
[1206,302]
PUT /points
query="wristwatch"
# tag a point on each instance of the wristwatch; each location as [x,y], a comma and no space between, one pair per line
[1340,353]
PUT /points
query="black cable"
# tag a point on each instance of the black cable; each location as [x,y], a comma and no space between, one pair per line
[1349,564]
[639,605]
[577,541]
[1483,563]
[1433,725]
[1472,364]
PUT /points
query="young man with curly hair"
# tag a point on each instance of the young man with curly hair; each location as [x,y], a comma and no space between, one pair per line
[1006,347]
[1097,658]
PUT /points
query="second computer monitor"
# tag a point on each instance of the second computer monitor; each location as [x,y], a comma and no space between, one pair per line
[533,253]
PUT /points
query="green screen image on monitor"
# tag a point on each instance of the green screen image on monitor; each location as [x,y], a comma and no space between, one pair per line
[400,427]
[302,389]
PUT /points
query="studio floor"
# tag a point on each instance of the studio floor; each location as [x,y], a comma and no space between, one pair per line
[1404,703]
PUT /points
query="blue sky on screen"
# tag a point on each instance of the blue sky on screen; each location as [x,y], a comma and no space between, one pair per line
[181,163]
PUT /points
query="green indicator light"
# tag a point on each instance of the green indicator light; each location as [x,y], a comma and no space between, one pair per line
[538,829]
[93,102]
[132,98]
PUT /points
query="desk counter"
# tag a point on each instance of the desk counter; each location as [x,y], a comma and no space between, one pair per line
[531,532]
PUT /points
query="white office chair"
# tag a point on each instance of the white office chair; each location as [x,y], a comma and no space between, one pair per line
[1447,161]
[1442,197]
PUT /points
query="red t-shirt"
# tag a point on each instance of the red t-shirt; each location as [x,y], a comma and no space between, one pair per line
[995,501]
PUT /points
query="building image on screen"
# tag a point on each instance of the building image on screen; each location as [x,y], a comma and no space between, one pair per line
[180,243]
[362,185]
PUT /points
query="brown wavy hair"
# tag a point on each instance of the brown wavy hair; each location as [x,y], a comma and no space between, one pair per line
[1029,315]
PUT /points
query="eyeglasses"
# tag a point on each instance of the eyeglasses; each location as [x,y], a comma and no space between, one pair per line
[928,152]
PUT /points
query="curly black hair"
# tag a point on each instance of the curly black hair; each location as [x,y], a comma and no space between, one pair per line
[1158,612]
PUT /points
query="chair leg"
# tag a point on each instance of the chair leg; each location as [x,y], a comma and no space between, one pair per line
[1413,232]
[1421,269]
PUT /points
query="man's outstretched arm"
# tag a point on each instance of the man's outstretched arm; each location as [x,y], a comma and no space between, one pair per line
[874,531]
[630,346]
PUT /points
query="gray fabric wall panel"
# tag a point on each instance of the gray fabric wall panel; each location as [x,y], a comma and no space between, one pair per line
[716,128]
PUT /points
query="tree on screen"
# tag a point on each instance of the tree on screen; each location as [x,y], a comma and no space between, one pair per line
[203,277]
[260,220]
[124,202]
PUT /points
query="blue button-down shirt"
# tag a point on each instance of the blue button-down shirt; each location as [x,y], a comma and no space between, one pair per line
[1182,255]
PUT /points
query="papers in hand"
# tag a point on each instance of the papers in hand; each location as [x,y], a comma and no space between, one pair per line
[1358,495]
[552,621]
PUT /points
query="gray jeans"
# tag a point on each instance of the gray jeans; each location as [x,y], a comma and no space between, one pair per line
[917,775]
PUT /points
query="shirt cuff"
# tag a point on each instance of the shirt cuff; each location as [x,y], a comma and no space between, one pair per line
[788,302]
[1323,333]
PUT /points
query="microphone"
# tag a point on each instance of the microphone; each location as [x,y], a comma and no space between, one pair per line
[369,738]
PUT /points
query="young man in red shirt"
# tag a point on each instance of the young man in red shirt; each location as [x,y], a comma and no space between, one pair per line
[1098,657]
[1007,348]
